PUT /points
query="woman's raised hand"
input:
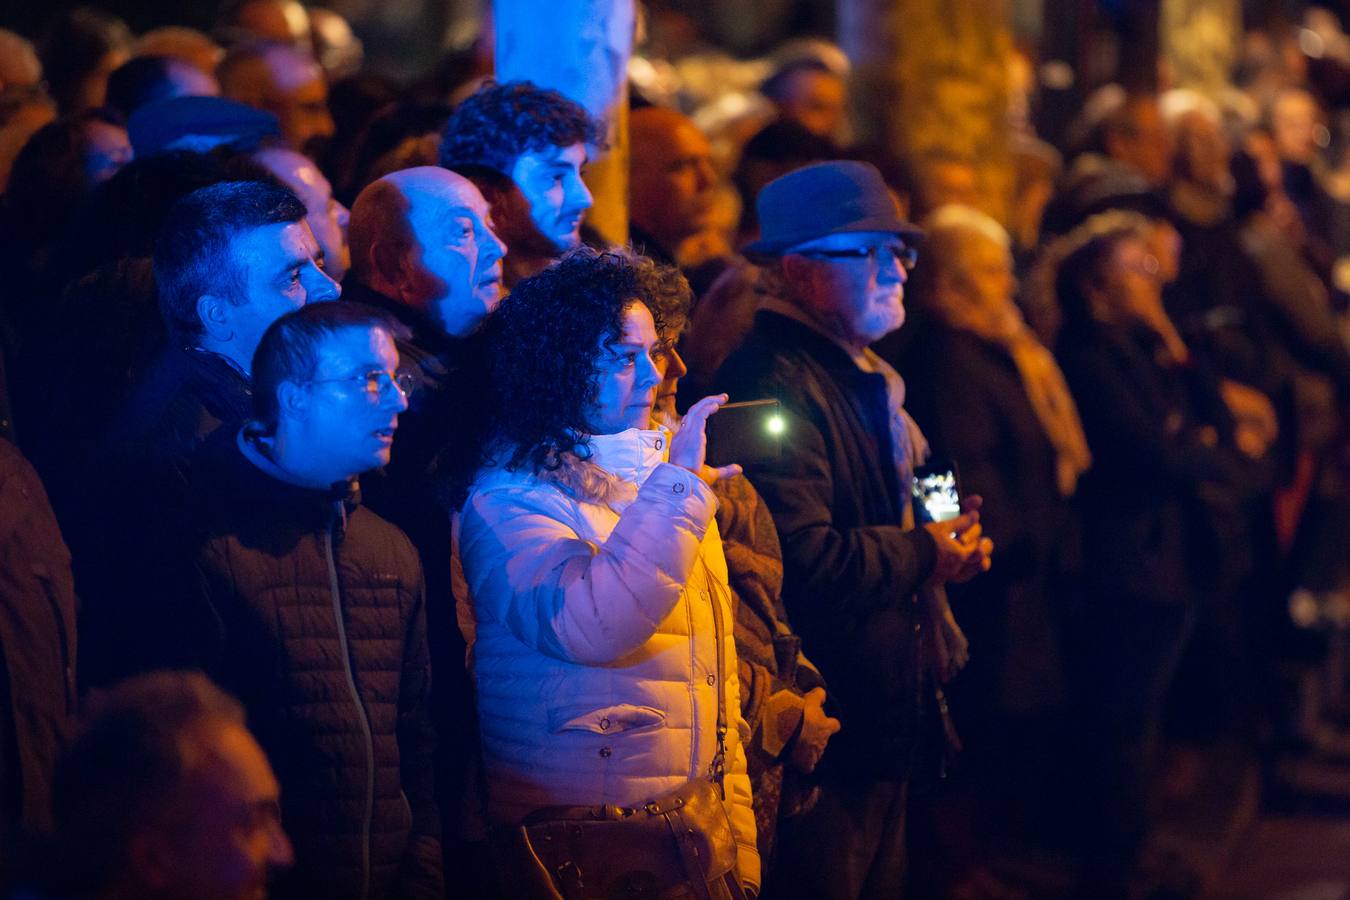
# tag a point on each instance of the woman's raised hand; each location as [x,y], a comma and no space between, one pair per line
[689,446]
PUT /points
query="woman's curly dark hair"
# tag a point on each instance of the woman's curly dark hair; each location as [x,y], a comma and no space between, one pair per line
[544,342]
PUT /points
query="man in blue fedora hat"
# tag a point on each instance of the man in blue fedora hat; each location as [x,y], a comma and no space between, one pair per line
[863,584]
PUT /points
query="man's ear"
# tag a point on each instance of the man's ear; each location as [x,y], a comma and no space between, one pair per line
[214,314]
[388,259]
[147,858]
[292,400]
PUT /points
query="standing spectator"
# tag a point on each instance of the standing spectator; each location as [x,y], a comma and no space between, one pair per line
[37,653]
[231,259]
[671,181]
[82,48]
[186,44]
[20,69]
[285,82]
[1159,436]
[839,495]
[54,176]
[309,608]
[524,147]
[164,794]
[145,79]
[991,399]
[424,254]
[282,21]
[327,218]
[600,616]
[810,93]
[782,694]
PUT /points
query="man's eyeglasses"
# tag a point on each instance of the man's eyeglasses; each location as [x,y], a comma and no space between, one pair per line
[904,256]
[375,382]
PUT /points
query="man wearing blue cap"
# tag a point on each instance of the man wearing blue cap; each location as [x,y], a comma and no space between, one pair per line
[863,585]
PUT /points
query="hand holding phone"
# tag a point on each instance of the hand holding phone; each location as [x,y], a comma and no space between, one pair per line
[935,492]
[962,549]
[689,445]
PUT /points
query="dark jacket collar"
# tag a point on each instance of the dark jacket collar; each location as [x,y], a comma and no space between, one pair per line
[224,390]
[236,474]
[427,336]
[786,332]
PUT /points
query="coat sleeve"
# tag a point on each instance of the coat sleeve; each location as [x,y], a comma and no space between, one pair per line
[846,571]
[1124,428]
[421,875]
[737,781]
[569,597]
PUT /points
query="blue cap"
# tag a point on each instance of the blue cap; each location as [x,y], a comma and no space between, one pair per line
[198,123]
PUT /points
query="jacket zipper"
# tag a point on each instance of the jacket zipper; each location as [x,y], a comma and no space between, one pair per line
[366,821]
[693,688]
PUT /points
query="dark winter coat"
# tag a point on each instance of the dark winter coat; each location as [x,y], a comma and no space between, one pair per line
[850,570]
[37,648]
[318,627]
[967,396]
[440,410]
[774,676]
[129,515]
[1141,500]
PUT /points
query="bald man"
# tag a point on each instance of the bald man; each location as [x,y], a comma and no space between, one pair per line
[421,240]
[284,81]
[671,181]
[423,250]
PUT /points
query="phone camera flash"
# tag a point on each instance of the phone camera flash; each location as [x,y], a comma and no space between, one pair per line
[775,425]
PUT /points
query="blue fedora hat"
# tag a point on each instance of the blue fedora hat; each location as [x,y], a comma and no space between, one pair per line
[822,199]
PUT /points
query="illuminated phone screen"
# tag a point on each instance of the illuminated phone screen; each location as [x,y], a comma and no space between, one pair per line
[936,498]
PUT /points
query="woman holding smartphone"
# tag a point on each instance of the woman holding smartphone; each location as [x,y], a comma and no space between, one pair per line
[601,642]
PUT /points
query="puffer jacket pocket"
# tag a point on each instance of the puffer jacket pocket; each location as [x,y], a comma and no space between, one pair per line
[621,717]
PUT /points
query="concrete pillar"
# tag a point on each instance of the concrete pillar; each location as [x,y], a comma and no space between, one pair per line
[1201,40]
[931,77]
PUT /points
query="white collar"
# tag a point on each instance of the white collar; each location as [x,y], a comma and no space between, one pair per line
[630,455]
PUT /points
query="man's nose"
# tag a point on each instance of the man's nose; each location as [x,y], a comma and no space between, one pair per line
[890,270]
[280,853]
[707,176]
[321,286]
[675,367]
[581,195]
[493,248]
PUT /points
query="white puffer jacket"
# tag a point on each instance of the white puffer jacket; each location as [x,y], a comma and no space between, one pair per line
[593,634]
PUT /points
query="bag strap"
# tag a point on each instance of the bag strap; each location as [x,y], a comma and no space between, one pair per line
[717,770]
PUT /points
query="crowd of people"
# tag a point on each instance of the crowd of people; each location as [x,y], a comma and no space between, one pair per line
[361,536]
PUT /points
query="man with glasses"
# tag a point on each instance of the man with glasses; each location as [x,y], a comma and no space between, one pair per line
[862,585]
[309,608]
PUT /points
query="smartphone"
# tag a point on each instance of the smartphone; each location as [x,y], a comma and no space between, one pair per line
[936,492]
[748,432]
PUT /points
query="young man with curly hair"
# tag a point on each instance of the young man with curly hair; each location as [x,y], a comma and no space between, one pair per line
[525,147]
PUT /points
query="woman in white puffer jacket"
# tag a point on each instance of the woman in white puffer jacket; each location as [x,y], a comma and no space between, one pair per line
[593,563]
